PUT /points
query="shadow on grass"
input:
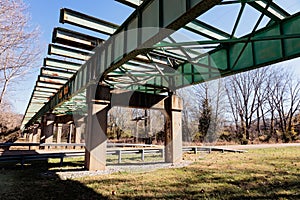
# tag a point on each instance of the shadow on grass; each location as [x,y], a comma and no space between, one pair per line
[202,186]
[35,181]
[273,174]
[251,176]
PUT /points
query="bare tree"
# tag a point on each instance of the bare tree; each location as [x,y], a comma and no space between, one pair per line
[189,113]
[18,43]
[9,121]
[118,120]
[210,96]
[244,95]
[156,121]
[203,111]
[269,95]
[205,114]
[285,101]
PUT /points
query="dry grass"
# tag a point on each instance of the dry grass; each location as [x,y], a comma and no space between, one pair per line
[272,173]
[258,174]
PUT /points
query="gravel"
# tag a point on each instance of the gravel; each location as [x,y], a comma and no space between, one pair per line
[132,168]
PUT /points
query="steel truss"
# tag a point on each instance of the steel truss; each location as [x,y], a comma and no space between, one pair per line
[154,60]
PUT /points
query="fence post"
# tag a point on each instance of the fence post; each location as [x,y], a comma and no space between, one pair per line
[143,154]
[119,156]
[195,150]
[61,160]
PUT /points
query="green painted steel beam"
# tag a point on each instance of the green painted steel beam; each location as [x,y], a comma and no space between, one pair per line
[53,80]
[244,39]
[75,39]
[67,52]
[231,58]
[45,89]
[113,54]
[44,93]
[40,99]
[61,64]
[152,13]
[55,73]
[131,3]
[34,107]
[274,12]
[36,104]
[206,30]
[85,21]
[48,85]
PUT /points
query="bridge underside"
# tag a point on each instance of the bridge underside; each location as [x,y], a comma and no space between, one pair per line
[157,50]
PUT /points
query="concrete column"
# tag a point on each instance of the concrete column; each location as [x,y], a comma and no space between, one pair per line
[25,136]
[173,129]
[78,135]
[47,128]
[30,136]
[96,128]
[83,132]
[36,136]
[95,142]
[71,133]
[59,132]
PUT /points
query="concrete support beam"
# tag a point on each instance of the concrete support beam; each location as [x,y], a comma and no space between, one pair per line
[59,132]
[173,129]
[30,136]
[64,119]
[78,136]
[71,133]
[96,129]
[47,128]
[80,123]
[36,136]
[171,106]
[99,103]
[140,100]
[96,139]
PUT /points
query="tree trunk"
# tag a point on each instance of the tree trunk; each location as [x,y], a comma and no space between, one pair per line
[3,91]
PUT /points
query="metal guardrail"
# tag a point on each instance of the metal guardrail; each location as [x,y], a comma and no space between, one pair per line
[142,151]
[29,145]
[119,152]
[196,149]
[146,149]
[109,145]
[26,157]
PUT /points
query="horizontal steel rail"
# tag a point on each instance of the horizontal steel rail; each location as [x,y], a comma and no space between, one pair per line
[22,158]
[134,147]
[29,145]
[196,149]
[109,145]
[146,150]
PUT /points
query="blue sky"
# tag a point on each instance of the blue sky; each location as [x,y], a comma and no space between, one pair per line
[45,14]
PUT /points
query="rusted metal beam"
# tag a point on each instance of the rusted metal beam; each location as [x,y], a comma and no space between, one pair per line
[75,39]
[85,21]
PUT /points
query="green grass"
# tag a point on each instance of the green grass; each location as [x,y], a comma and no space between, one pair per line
[259,174]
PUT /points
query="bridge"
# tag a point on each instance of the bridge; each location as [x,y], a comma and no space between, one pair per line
[164,45]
